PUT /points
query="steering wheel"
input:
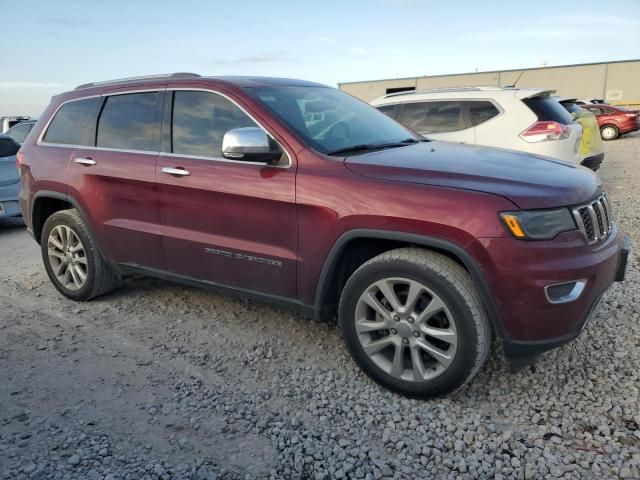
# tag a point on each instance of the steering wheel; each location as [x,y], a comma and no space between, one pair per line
[337,135]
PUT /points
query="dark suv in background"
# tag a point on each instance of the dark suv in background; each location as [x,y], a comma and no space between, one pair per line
[299,194]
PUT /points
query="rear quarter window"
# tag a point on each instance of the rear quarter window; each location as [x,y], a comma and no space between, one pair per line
[74,123]
[548,110]
[389,110]
[480,111]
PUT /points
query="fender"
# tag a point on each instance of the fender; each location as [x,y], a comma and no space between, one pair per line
[69,199]
[422,240]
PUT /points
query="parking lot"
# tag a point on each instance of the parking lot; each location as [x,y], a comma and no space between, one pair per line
[157,380]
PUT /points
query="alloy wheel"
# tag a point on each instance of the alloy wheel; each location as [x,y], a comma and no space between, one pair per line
[608,133]
[67,257]
[406,329]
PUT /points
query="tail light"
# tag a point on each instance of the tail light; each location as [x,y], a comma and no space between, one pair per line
[19,158]
[544,131]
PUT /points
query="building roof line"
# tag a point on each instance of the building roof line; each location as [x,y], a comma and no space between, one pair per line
[490,71]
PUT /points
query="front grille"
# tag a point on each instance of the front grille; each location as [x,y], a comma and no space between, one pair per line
[594,219]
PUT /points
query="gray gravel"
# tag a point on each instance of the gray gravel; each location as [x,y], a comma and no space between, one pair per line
[158,381]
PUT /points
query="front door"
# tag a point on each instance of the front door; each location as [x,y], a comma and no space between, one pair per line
[228,222]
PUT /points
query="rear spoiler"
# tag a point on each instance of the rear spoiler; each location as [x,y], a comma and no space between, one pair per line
[522,94]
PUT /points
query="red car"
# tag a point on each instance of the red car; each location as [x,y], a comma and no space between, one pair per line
[299,194]
[614,121]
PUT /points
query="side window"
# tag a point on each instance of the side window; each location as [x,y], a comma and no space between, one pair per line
[595,110]
[128,121]
[433,117]
[19,132]
[481,111]
[75,123]
[389,110]
[200,120]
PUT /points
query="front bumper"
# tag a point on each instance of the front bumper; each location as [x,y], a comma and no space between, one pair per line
[9,206]
[593,162]
[520,271]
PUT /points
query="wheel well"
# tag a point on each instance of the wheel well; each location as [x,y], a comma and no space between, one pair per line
[355,253]
[43,208]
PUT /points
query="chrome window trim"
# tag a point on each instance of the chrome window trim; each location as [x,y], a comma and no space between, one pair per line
[104,149]
[41,142]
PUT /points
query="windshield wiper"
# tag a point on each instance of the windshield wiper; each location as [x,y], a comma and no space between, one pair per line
[368,147]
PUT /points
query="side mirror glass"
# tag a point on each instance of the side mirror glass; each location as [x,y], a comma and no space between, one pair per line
[250,144]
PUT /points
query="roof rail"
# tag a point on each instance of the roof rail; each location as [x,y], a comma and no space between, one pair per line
[443,89]
[144,77]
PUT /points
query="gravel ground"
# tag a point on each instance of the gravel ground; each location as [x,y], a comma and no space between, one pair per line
[163,381]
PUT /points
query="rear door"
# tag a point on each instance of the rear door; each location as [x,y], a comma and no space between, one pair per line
[439,119]
[224,221]
[114,180]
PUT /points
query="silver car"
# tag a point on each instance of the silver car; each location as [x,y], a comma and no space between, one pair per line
[529,120]
[9,178]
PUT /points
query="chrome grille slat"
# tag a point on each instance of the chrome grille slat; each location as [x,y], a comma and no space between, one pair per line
[594,219]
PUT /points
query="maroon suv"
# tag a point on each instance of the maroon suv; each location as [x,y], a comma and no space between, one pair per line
[302,195]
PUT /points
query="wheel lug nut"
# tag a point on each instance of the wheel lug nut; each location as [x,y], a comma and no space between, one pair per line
[410,319]
[393,331]
[416,333]
[396,318]
[405,340]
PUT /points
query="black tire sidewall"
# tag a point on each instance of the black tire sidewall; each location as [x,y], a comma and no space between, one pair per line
[466,354]
[61,218]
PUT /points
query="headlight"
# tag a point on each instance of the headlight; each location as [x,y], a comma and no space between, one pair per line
[538,224]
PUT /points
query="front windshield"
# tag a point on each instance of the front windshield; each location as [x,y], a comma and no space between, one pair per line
[329,120]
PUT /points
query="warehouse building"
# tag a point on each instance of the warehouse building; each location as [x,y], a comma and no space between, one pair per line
[616,82]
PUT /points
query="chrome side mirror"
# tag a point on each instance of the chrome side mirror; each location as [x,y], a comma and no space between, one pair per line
[250,144]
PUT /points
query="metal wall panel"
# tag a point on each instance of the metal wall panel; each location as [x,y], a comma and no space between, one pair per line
[367,91]
[467,80]
[623,83]
[618,82]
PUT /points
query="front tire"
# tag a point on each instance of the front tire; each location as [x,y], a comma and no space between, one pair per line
[609,132]
[72,259]
[414,322]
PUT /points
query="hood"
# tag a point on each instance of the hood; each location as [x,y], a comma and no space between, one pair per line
[529,181]
[8,171]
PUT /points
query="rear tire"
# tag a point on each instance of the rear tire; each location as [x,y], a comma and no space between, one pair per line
[413,321]
[609,132]
[72,259]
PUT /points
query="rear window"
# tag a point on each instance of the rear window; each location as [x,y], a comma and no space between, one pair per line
[433,117]
[128,121]
[75,123]
[548,110]
[571,107]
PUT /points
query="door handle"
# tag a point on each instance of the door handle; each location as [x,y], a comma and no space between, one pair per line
[87,162]
[176,172]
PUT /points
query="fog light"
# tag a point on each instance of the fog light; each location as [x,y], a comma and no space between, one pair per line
[565,292]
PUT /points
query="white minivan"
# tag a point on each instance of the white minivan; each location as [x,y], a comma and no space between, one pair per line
[517,119]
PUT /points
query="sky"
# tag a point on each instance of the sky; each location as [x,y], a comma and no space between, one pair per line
[50,47]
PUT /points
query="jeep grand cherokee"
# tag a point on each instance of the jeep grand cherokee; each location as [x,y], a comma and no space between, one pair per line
[300,194]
